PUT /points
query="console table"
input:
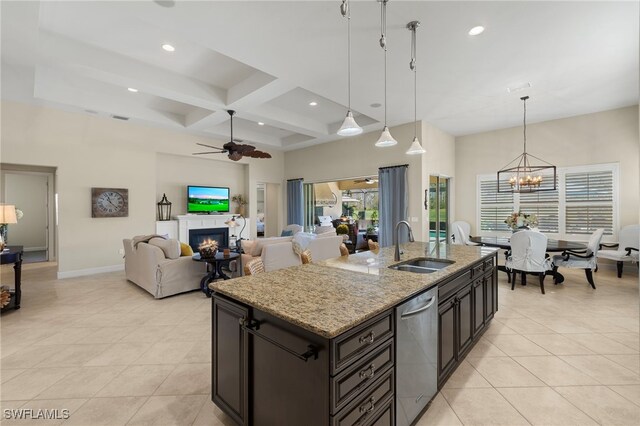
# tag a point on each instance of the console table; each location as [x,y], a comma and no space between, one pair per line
[14,256]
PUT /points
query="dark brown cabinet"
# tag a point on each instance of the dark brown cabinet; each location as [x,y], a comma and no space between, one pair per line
[467,303]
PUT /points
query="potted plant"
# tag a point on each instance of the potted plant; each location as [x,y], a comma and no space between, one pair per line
[241,202]
[343,230]
[519,220]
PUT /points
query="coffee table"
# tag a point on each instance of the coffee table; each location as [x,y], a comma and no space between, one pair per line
[214,268]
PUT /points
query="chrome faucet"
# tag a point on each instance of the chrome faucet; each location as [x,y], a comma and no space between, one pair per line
[397,240]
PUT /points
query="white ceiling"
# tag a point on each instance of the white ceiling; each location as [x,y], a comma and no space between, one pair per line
[268,60]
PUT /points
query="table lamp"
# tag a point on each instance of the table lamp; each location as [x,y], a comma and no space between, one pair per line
[7,215]
[232,223]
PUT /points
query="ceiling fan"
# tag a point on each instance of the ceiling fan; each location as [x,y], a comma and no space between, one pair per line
[235,151]
[369,181]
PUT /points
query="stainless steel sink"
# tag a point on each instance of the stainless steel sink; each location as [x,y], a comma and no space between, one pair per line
[422,265]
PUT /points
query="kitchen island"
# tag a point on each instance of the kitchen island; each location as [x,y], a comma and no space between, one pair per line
[319,344]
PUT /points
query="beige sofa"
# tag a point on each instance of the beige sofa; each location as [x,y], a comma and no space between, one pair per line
[158,268]
[255,248]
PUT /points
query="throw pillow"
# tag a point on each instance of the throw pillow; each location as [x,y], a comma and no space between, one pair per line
[170,247]
[287,233]
[185,250]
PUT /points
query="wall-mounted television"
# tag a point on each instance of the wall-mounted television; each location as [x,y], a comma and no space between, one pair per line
[207,199]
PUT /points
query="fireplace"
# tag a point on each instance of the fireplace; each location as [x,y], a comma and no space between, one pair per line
[197,236]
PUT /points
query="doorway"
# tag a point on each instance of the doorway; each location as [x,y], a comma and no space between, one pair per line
[31,190]
[260,216]
[438,207]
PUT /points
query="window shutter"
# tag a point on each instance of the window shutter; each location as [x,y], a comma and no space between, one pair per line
[544,204]
[494,206]
[589,202]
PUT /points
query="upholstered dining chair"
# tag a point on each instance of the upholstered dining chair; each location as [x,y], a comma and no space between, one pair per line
[581,259]
[373,245]
[461,231]
[626,250]
[528,255]
[254,267]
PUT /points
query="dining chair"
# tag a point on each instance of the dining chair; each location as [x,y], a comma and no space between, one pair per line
[305,257]
[581,259]
[344,251]
[528,256]
[625,250]
[460,236]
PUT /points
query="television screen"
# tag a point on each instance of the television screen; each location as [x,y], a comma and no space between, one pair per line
[207,199]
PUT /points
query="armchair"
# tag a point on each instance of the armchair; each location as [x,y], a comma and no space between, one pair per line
[581,259]
[460,234]
[627,248]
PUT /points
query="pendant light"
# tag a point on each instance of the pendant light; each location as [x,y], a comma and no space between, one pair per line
[415,148]
[523,175]
[349,126]
[385,138]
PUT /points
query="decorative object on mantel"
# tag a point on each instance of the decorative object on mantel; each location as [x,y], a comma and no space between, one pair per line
[521,174]
[349,126]
[235,151]
[8,214]
[164,208]
[518,221]
[385,138]
[208,249]
[415,148]
[241,202]
[109,202]
[233,223]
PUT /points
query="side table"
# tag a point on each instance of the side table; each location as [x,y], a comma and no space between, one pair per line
[14,256]
[214,266]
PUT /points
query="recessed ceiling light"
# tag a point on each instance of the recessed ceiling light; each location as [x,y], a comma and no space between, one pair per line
[476,30]
[313,103]
[131,89]
[260,123]
[168,47]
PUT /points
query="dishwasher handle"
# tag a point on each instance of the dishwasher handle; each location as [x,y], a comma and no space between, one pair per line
[415,312]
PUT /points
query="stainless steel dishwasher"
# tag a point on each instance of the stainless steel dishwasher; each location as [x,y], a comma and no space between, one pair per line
[417,355]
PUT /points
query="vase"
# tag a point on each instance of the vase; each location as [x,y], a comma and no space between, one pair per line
[241,210]
[520,228]
[4,228]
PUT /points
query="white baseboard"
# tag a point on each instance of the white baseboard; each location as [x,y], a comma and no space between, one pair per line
[90,271]
[34,248]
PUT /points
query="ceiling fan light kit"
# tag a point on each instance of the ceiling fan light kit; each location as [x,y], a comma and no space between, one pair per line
[523,175]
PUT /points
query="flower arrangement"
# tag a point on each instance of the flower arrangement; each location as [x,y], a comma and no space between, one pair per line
[518,220]
[208,248]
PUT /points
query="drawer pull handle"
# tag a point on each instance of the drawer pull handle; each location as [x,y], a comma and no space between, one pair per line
[367,338]
[368,372]
[371,402]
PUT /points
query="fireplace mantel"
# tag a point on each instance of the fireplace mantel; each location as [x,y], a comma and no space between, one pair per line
[199,221]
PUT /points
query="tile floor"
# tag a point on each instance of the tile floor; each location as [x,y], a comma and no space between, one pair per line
[103,349]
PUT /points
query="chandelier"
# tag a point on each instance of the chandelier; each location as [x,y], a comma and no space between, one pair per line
[524,175]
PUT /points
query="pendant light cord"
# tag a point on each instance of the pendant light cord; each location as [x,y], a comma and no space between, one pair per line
[346,2]
[383,44]
[525,123]
[413,67]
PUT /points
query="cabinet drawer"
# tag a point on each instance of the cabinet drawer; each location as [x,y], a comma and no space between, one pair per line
[347,348]
[477,270]
[448,288]
[361,410]
[385,416]
[350,382]
[488,264]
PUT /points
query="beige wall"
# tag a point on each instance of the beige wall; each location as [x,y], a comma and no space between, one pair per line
[273,212]
[357,157]
[603,137]
[92,151]
[28,192]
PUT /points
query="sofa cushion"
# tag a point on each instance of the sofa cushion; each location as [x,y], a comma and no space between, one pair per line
[279,255]
[185,250]
[170,247]
[287,233]
[260,243]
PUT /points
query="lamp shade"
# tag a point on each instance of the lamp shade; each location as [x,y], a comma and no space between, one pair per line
[8,213]
[231,223]
[416,148]
[349,126]
[386,139]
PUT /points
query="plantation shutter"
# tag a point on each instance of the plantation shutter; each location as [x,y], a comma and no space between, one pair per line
[589,202]
[494,206]
[544,204]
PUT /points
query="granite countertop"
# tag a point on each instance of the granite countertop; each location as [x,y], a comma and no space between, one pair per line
[333,296]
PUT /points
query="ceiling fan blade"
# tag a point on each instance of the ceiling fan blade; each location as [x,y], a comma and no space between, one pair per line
[208,152]
[245,148]
[258,154]
[208,146]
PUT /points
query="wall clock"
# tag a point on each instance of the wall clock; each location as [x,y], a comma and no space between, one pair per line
[109,202]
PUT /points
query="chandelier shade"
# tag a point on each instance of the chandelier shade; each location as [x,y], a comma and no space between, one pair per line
[526,172]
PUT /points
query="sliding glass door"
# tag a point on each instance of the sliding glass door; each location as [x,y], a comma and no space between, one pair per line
[438,207]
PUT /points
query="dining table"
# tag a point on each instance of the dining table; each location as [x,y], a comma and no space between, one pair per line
[552,246]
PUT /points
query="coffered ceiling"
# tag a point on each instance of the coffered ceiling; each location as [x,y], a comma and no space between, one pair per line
[268,60]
